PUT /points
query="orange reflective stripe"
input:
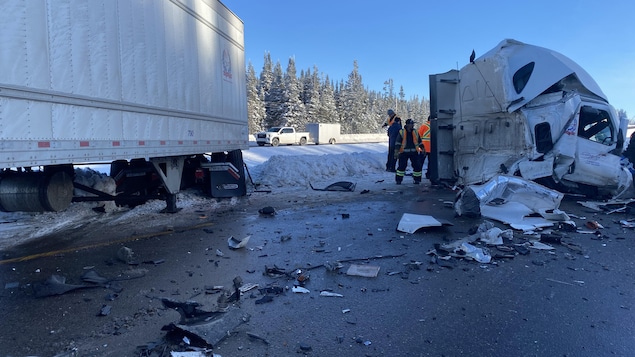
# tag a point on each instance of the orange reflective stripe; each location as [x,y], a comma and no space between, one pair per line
[424,133]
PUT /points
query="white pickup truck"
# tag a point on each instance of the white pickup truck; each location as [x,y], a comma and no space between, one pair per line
[284,135]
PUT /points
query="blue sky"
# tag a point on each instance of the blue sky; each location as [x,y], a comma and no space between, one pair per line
[407,40]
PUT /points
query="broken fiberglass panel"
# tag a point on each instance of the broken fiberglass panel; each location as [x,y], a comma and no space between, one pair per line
[410,223]
[550,67]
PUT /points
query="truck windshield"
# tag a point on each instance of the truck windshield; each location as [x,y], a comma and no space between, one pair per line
[273,130]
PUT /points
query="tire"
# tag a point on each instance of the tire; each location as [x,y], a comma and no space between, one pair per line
[275,142]
[332,141]
[302,141]
[261,144]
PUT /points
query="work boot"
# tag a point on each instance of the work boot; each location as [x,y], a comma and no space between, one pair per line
[417,182]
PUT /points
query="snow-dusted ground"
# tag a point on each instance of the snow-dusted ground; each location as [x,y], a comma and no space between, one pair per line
[284,170]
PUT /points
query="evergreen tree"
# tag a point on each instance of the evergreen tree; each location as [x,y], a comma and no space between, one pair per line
[327,112]
[255,102]
[311,96]
[353,100]
[288,99]
[292,106]
[266,81]
[274,99]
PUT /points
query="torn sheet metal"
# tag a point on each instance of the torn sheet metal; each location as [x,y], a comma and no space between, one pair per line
[507,189]
[608,206]
[511,199]
[515,214]
[410,223]
[235,243]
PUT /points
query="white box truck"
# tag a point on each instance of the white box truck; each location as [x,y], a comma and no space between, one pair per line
[324,132]
[525,110]
[151,86]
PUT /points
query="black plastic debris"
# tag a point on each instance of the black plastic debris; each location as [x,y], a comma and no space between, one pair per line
[154,262]
[337,186]
[12,285]
[276,290]
[264,299]
[443,262]
[189,311]
[257,337]
[267,211]
[521,249]
[56,285]
[206,328]
[275,272]
[551,238]
[91,276]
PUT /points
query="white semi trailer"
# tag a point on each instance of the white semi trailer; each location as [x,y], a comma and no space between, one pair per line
[151,86]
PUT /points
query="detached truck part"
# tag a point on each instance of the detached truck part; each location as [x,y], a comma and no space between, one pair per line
[150,86]
[528,111]
[324,133]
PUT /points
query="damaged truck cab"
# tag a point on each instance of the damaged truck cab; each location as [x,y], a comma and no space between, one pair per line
[528,111]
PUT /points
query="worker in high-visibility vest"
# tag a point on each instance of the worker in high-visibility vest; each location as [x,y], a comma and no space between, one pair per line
[424,133]
[394,125]
[407,147]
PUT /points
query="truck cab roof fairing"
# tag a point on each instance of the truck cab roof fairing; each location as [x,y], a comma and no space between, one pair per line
[549,68]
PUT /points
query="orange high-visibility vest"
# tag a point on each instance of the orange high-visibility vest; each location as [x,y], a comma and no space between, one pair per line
[424,133]
[415,140]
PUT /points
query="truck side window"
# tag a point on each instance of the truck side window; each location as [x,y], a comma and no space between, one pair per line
[521,77]
[287,130]
[542,134]
[595,125]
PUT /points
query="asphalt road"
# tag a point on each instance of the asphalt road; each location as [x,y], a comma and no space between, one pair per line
[569,301]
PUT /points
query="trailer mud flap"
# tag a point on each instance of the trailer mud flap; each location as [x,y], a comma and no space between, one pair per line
[226,180]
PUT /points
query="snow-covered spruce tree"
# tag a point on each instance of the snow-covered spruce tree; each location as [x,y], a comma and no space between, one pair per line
[353,101]
[292,107]
[327,112]
[255,102]
[311,95]
[274,100]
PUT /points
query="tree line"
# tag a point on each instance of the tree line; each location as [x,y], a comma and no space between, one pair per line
[286,98]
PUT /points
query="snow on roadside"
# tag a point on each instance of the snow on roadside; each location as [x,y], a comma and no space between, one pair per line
[290,168]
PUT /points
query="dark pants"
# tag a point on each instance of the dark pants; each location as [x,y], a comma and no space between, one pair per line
[391,162]
[415,161]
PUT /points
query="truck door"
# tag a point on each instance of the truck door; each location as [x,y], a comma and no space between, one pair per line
[287,136]
[443,87]
[597,136]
